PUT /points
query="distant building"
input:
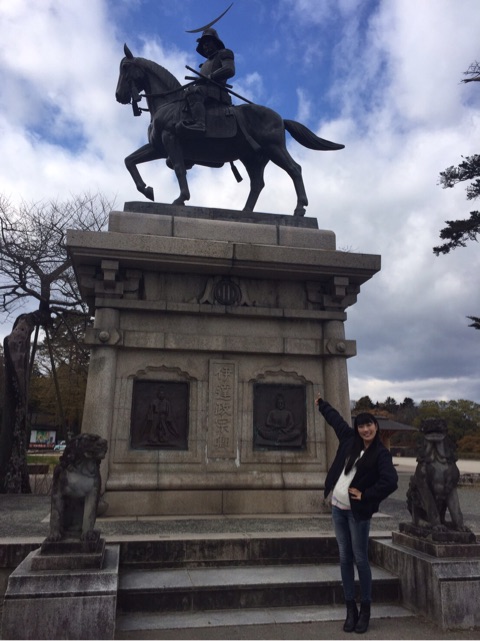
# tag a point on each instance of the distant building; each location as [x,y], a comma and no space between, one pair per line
[388,428]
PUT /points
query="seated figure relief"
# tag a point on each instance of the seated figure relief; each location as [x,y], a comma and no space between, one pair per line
[279,421]
[280,424]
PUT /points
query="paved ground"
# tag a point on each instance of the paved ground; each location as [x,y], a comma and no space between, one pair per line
[25,518]
[389,628]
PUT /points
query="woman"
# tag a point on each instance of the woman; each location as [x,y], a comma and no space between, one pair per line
[361,475]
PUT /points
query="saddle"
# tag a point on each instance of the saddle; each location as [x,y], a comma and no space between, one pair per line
[220,122]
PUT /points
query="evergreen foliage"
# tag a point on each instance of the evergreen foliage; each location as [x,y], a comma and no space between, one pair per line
[458,232]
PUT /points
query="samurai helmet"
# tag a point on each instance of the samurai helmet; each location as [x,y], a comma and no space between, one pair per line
[208,33]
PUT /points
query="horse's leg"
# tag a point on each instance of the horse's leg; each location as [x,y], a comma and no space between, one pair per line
[175,154]
[278,154]
[144,154]
[255,165]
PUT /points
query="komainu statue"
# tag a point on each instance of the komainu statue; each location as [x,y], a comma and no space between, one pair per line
[433,487]
[76,489]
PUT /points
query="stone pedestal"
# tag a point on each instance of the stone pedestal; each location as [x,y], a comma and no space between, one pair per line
[55,603]
[447,544]
[438,580]
[214,332]
[70,554]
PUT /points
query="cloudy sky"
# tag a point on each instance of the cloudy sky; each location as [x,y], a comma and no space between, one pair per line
[381,76]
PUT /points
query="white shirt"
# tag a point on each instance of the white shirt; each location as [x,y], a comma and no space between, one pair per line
[341,497]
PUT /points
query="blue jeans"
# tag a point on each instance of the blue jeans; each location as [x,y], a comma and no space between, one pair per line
[352,539]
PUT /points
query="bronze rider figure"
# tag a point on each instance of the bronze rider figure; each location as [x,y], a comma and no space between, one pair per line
[219,66]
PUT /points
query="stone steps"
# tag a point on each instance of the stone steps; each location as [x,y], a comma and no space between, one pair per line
[146,621]
[229,549]
[245,587]
[237,579]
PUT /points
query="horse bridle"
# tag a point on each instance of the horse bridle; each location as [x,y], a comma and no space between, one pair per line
[137,111]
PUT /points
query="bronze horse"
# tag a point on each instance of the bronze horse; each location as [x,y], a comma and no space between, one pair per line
[260,138]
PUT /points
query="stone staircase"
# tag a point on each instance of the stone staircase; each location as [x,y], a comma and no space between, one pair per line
[237,579]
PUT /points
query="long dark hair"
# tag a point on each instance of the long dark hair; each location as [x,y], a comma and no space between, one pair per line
[357,443]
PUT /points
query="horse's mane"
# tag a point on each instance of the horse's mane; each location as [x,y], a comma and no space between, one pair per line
[167,78]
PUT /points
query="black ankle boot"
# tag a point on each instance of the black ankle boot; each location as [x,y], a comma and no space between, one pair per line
[363,618]
[352,616]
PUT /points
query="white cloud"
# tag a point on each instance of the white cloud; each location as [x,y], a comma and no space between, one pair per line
[251,87]
[439,389]
[399,108]
[304,109]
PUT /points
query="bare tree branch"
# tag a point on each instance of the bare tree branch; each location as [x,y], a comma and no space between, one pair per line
[35,268]
[473,71]
[33,258]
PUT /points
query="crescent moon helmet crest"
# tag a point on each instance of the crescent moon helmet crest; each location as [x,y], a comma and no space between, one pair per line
[210,24]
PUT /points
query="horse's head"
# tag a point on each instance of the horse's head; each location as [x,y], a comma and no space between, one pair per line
[139,74]
[131,79]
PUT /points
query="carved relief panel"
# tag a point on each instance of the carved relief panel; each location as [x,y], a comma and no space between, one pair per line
[159,418]
[279,417]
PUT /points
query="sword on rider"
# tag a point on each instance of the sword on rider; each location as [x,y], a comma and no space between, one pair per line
[217,84]
[137,97]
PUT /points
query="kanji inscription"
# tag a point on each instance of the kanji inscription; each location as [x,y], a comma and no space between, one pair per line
[222,406]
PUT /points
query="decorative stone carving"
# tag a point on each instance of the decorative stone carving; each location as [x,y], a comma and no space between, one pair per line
[433,488]
[76,493]
[111,280]
[67,589]
[160,415]
[337,293]
[76,487]
[223,290]
[279,417]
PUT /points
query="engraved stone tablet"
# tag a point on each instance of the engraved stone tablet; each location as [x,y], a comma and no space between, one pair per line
[221,414]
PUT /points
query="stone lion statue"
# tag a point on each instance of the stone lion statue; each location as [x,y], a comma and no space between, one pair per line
[433,487]
[76,489]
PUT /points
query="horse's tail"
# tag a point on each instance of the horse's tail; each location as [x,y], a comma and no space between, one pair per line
[308,139]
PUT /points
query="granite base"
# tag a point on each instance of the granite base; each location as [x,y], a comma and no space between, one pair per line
[70,555]
[62,604]
[445,590]
[457,546]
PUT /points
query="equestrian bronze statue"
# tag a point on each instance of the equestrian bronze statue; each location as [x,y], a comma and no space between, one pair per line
[250,133]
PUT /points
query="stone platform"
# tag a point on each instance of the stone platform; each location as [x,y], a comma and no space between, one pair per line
[445,589]
[70,555]
[223,319]
[449,544]
[59,603]
[271,541]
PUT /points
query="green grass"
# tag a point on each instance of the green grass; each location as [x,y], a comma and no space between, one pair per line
[43,459]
